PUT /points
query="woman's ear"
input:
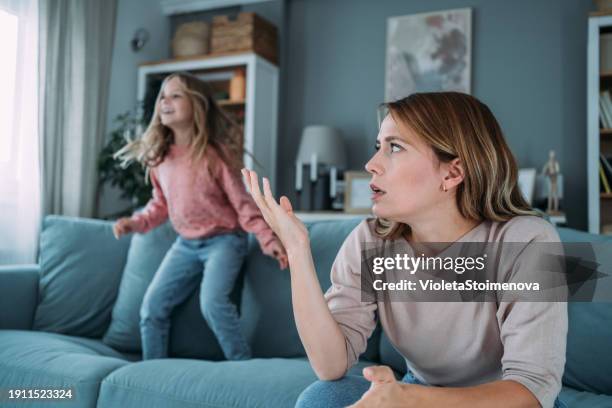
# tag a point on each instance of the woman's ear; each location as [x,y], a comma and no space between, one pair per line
[455,174]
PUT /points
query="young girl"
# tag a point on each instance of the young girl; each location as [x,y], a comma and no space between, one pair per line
[193,154]
[442,173]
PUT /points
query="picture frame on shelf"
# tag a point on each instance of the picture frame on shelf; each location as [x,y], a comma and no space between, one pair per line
[526,182]
[357,192]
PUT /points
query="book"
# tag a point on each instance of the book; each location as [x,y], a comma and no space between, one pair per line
[605,110]
[602,114]
[604,180]
[607,166]
[607,103]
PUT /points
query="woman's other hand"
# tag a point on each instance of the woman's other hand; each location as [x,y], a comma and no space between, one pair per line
[385,390]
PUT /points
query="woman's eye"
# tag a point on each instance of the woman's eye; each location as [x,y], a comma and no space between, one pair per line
[395,148]
[377,146]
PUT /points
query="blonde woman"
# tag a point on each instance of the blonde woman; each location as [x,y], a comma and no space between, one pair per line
[442,172]
[193,156]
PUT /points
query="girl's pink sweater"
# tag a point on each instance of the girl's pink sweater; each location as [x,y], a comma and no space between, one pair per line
[201,200]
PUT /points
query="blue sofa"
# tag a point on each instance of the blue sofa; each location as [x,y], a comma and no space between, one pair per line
[71,322]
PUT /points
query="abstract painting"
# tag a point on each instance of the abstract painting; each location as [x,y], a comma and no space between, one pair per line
[428,52]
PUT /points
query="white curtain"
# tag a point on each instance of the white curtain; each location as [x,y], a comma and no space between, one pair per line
[76,52]
[19,168]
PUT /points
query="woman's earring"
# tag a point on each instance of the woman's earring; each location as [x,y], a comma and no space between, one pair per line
[444,187]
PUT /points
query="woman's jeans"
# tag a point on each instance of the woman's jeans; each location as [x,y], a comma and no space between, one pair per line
[220,257]
[347,391]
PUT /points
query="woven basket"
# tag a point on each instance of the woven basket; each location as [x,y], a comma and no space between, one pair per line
[191,39]
[603,5]
[247,32]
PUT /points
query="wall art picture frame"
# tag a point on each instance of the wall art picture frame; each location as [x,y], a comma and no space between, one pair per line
[357,192]
[428,52]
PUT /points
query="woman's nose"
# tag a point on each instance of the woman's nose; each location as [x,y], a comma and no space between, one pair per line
[373,167]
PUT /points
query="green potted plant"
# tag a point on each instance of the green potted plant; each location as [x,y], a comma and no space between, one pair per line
[131,179]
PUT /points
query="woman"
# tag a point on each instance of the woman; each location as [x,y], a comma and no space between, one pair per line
[442,173]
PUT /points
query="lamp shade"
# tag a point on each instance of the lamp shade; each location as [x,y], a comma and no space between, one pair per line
[324,141]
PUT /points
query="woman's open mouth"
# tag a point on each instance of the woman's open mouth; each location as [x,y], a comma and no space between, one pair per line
[376,192]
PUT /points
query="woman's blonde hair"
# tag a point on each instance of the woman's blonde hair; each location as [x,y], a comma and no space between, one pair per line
[457,125]
[211,126]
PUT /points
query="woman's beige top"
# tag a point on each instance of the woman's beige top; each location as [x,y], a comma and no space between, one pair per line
[459,343]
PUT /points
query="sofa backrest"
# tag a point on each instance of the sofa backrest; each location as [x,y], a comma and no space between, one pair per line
[263,295]
[266,309]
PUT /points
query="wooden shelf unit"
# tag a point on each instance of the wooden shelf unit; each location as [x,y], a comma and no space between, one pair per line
[599,141]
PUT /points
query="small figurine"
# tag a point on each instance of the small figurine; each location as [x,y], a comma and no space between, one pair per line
[552,170]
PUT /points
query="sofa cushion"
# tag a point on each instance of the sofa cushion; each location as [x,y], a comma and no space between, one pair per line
[266,310]
[589,338]
[47,360]
[389,356]
[169,383]
[582,399]
[80,266]
[144,256]
[588,362]
[189,333]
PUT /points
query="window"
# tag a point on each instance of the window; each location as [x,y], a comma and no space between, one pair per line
[8,72]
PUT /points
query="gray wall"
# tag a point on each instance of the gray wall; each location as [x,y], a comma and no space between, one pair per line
[131,15]
[528,65]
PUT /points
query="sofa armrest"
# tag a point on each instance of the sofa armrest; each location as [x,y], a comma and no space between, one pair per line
[18,296]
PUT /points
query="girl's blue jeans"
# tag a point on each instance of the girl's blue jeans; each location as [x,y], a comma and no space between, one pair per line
[214,263]
[347,391]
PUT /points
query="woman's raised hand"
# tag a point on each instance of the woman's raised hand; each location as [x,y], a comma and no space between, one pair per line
[280,217]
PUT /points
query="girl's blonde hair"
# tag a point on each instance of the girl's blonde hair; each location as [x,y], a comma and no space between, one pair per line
[211,126]
[457,125]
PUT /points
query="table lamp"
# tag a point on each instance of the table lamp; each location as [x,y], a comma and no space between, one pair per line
[322,152]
